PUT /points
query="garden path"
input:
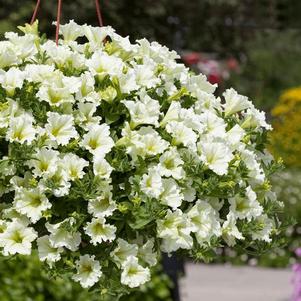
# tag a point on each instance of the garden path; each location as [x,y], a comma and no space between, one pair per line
[228,283]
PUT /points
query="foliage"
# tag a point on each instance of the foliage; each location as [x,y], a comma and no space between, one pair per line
[24,279]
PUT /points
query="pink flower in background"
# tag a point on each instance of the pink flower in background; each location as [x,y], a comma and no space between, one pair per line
[297,278]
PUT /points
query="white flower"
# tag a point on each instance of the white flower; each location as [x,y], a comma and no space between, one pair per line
[205,222]
[96,35]
[60,128]
[143,111]
[266,226]
[17,238]
[86,89]
[230,231]
[197,83]
[216,155]
[74,166]
[98,141]
[214,125]
[60,236]
[8,55]
[246,206]
[46,251]
[255,171]
[171,195]
[71,31]
[145,75]
[44,162]
[133,274]
[147,254]
[254,118]
[88,271]
[11,79]
[102,206]
[175,231]
[32,203]
[181,134]
[84,117]
[151,142]
[102,64]
[99,231]
[170,164]
[151,183]
[235,102]
[102,168]
[172,113]
[234,136]
[123,251]
[60,182]
[21,129]
[38,73]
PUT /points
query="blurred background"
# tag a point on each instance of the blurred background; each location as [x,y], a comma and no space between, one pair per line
[252,45]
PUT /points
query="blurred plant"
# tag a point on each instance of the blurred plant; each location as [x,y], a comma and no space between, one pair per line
[272,64]
[286,137]
[23,279]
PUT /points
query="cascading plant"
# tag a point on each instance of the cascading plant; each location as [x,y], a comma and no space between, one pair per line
[112,152]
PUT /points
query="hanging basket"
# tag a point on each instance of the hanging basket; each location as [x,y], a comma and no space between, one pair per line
[112,152]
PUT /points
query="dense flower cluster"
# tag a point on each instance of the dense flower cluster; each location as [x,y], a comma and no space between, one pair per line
[286,139]
[112,152]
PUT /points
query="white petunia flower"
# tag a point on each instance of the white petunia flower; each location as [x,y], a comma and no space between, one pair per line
[205,222]
[46,251]
[102,64]
[123,251]
[197,83]
[31,202]
[143,111]
[99,231]
[170,164]
[88,271]
[147,254]
[151,183]
[8,55]
[44,162]
[266,226]
[102,206]
[175,231]
[84,116]
[230,231]
[17,238]
[246,206]
[71,31]
[235,102]
[133,274]
[216,155]
[181,134]
[21,129]
[102,168]
[96,35]
[60,236]
[213,125]
[74,166]
[60,128]
[98,141]
[145,75]
[11,79]
[172,113]
[171,195]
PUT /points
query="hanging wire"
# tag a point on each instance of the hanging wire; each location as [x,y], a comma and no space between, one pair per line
[98,12]
[58,20]
[34,15]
